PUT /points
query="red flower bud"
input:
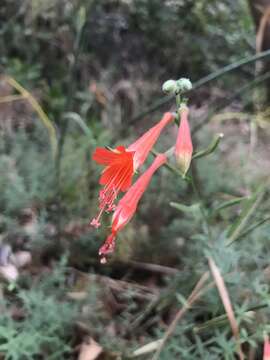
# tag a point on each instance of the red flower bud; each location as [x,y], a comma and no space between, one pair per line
[183,147]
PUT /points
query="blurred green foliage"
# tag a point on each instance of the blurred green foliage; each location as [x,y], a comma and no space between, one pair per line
[91,65]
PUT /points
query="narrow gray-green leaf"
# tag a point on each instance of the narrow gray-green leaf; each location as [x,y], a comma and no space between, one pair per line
[191,209]
[210,149]
[250,207]
[228,203]
[252,228]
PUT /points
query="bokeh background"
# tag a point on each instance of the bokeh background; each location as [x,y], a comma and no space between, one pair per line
[76,74]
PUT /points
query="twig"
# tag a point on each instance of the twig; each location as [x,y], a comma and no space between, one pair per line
[252,228]
[227,101]
[139,291]
[10,98]
[221,319]
[213,76]
[69,105]
[153,267]
[226,303]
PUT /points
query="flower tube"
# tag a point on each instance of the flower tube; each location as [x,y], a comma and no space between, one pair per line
[121,164]
[127,206]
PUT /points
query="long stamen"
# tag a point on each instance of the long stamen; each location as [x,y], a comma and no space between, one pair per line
[109,194]
[122,179]
[112,179]
[116,189]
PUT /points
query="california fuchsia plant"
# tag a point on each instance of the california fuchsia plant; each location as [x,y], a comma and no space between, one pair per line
[122,163]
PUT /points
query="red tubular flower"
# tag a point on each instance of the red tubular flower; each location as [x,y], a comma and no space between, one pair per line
[266,350]
[127,206]
[144,144]
[184,147]
[121,164]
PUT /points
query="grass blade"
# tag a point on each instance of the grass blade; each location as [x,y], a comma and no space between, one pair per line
[247,212]
[224,295]
[35,105]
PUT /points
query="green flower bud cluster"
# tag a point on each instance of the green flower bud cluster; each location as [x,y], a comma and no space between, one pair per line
[177,86]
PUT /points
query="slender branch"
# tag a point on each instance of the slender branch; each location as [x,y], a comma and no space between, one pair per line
[69,100]
[227,101]
[69,105]
[224,295]
[203,81]
[250,229]
[11,98]
[223,319]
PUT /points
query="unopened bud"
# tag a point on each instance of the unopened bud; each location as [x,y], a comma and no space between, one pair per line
[183,85]
[183,147]
[169,87]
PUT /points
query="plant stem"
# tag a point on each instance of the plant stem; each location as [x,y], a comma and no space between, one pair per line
[200,200]
[69,105]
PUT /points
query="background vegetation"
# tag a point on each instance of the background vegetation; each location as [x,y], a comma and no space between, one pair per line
[94,67]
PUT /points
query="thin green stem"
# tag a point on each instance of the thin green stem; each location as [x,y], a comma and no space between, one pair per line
[69,101]
[178,101]
[250,229]
[190,179]
[69,104]
[223,319]
[248,212]
[201,203]
[168,165]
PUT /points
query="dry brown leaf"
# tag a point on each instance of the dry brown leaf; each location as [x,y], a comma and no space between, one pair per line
[90,350]
[224,295]
[77,295]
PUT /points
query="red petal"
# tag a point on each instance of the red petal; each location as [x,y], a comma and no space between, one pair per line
[104,156]
[118,176]
[121,148]
[107,175]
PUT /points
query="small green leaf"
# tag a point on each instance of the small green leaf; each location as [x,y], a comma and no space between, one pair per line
[183,301]
[79,121]
[81,18]
[191,209]
[252,228]
[210,149]
[250,207]
[228,203]
[215,322]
